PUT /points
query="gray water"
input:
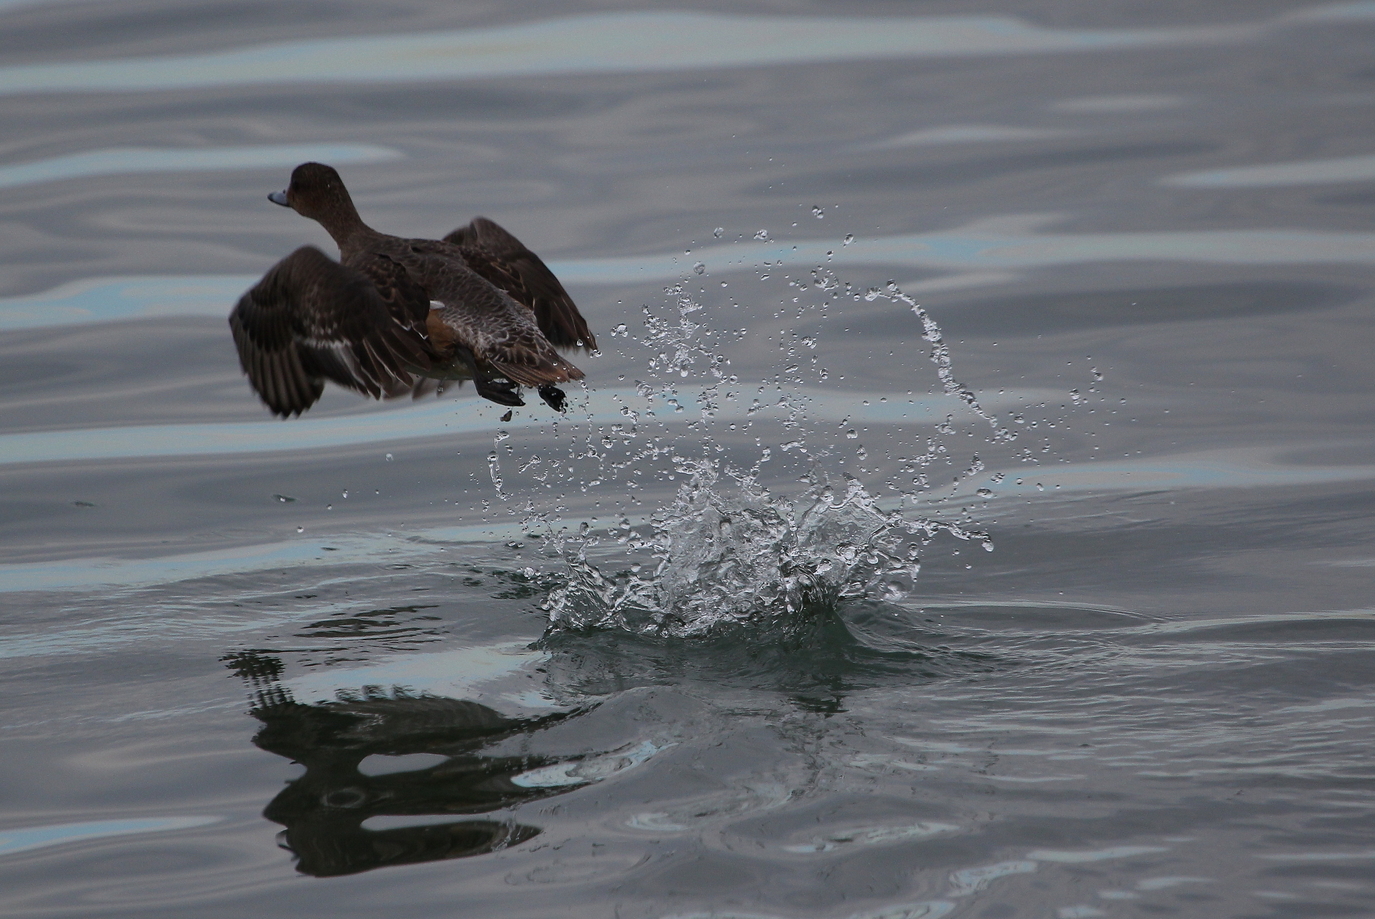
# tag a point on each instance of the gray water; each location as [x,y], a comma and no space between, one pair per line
[1037,583]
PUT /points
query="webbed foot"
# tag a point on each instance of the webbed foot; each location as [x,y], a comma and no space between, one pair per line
[502,392]
[552,396]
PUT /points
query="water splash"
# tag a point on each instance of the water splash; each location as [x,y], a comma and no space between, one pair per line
[940,356]
[728,552]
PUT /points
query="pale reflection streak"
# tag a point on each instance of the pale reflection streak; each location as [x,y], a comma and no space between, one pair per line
[1279,175]
[622,42]
[1234,467]
[1005,243]
[96,300]
[437,418]
[1224,468]
[965,134]
[1335,12]
[25,839]
[106,571]
[6,5]
[982,251]
[135,160]
[1218,469]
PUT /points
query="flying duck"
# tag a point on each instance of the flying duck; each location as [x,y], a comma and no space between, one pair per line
[394,314]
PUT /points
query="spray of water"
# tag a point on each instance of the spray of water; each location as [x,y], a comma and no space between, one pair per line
[727,550]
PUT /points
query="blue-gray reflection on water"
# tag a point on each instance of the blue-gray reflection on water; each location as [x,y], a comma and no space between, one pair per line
[988,251]
[671,654]
[596,43]
[128,161]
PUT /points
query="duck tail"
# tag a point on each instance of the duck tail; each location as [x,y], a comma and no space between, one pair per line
[553,369]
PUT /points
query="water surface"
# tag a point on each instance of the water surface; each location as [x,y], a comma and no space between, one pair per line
[967,515]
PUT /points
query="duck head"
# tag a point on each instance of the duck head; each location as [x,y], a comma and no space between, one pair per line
[317,192]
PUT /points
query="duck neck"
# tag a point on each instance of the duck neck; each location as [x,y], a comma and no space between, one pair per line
[342,222]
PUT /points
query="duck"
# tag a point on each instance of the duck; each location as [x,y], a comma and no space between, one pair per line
[396,316]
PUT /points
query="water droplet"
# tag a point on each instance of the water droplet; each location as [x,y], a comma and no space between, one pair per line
[849,238]
[718,232]
[762,235]
[818,212]
[285,499]
[699,268]
[389,457]
[300,529]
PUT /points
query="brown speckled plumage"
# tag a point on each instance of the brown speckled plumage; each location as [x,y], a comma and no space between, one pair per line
[476,305]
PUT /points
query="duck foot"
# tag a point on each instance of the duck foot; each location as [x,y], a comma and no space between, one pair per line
[552,396]
[501,392]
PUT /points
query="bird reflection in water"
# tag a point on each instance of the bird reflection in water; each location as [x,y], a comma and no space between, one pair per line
[325,808]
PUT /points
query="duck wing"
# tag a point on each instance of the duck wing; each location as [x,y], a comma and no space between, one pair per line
[403,296]
[504,261]
[311,319]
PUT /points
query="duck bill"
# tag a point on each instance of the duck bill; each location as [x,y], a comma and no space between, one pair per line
[279,197]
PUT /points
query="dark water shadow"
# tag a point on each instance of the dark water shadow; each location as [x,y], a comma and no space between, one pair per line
[324,810]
